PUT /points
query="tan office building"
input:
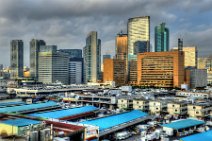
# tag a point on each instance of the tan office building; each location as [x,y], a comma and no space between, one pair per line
[114,70]
[121,46]
[190,56]
[160,69]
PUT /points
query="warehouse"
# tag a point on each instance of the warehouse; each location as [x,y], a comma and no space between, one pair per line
[205,136]
[68,114]
[182,127]
[17,126]
[29,108]
[113,123]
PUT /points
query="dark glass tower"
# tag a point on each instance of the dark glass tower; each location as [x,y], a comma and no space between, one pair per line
[161,38]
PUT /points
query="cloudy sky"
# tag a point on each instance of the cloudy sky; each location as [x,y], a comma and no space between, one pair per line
[67,22]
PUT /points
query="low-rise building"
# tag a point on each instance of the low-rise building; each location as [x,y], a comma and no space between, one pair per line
[177,108]
[200,95]
[125,103]
[157,106]
[199,110]
[141,104]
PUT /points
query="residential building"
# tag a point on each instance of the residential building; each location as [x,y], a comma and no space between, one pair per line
[34,52]
[53,66]
[138,34]
[114,70]
[196,95]
[141,104]
[92,58]
[17,58]
[161,38]
[160,69]
[125,103]
[157,106]
[199,110]
[177,108]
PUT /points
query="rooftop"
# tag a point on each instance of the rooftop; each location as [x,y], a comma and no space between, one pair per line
[27,107]
[20,122]
[205,136]
[115,120]
[65,113]
[11,103]
[184,123]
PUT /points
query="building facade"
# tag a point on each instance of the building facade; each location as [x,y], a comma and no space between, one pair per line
[196,77]
[34,52]
[160,69]
[138,35]
[75,70]
[92,58]
[17,58]
[206,63]
[53,66]
[121,46]
[73,53]
[114,70]
[161,38]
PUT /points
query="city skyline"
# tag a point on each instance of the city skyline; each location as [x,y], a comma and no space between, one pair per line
[68,26]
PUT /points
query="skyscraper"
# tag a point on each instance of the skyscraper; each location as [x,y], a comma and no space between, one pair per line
[161,38]
[121,46]
[75,65]
[16,58]
[53,65]
[34,52]
[73,53]
[92,58]
[138,36]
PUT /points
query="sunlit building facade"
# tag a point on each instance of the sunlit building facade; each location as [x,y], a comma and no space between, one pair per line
[160,69]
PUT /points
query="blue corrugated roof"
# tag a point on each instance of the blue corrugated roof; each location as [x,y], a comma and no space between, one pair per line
[12,103]
[20,122]
[65,113]
[185,123]
[205,136]
[27,107]
[114,120]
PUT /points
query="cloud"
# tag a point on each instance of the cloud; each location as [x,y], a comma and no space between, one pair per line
[66,23]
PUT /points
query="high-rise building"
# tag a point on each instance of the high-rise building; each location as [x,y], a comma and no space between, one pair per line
[73,53]
[161,38]
[161,69]
[132,74]
[1,66]
[108,56]
[75,70]
[17,58]
[114,70]
[53,65]
[121,46]
[75,65]
[34,52]
[206,63]
[191,55]
[92,58]
[138,36]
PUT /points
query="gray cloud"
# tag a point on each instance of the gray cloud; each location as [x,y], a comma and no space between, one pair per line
[67,22]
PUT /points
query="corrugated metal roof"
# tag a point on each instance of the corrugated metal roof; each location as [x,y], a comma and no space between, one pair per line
[65,113]
[185,123]
[205,136]
[27,107]
[12,103]
[114,120]
[20,122]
